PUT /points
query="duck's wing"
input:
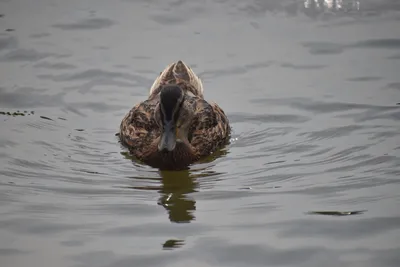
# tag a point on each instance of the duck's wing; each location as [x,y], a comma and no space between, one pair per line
[138,129]
[179,73]
[210,128]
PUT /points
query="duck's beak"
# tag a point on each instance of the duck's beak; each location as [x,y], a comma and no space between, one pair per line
[168,137]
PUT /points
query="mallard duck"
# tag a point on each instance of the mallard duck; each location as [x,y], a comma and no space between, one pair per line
[175,126]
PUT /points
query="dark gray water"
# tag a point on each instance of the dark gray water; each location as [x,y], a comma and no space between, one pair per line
[311,178]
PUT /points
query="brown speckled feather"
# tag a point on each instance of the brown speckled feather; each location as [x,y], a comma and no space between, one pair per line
[208,132]
[138,129]
[210,129]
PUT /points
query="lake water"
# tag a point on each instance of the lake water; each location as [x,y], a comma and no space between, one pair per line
[312,174]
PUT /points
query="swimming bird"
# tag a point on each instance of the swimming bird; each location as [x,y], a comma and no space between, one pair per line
[175,126]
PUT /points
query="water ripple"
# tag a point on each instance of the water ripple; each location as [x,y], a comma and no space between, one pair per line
[54,66]
[328,48]
[333,132]
[323,106]
[335,230]
[91,74]
[86,24]
[282,118]
[20,55]
[313,113]
[7,42]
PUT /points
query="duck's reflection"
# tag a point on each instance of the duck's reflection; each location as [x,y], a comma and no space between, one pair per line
[176,185]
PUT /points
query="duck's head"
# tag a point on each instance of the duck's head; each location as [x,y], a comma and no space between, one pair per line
[174,117]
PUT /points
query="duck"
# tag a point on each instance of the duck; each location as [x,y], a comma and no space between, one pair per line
[175,126]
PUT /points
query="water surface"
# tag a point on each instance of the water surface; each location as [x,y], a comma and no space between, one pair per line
[311,177]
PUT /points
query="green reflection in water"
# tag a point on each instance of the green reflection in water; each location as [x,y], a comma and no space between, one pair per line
[175,188]
[176,185]
[173,243]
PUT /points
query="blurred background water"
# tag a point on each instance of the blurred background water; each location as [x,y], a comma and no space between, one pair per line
[311,177]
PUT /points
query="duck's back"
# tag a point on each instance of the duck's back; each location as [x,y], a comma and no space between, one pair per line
[178,73]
